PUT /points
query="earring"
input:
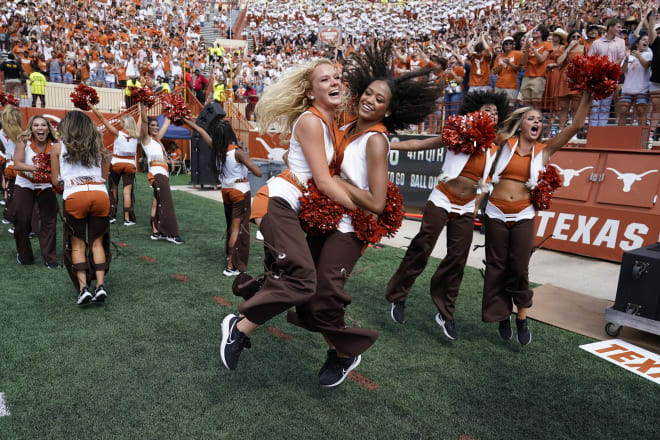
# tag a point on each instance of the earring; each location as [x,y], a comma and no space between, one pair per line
[311,98]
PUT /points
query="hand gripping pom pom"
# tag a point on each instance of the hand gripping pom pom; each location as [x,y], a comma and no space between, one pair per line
[370,228]
[595,73]
[319,214]
[176,109]
[83,97]
[469,134]
[43,172]
[144,95]
[8,98]
[549,181]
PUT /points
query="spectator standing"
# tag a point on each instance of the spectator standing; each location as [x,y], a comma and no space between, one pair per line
[534,55]
[568,99]
[635,90]
[614,48]
[13,74]
[552,74]
[453,89]
[37,82]
[199,86]
[506,67]
[480,56]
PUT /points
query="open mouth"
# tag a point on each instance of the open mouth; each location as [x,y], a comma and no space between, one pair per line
[535,130]
[334,93]
[367,108]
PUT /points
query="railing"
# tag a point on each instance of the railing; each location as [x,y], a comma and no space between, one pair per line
[239,122]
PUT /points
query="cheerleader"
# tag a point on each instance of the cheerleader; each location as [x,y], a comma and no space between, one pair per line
[11,128]
[306,101]
[33,145]
[163,218]
[78,163]
[453,203]
[385,104]
[231,164]
[510,215]
[123,165]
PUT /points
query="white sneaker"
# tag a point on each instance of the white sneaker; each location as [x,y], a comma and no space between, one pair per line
[5,221]
[231,272]
[128,223]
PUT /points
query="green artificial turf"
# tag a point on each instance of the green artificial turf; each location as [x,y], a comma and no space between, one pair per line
[146,365]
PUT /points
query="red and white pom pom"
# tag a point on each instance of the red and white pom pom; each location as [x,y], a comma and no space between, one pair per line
[319,214]
[594,73]
[469,134]
[144,95]
[83,97]
[8,99]
[175,108]
[549,181]
[43,172]
[370,228]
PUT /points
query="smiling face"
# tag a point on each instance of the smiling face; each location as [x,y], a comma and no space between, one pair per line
[40,130]
[643,43]
[491,109]
[153,128]
[375,102]
[532,123]
[326,86]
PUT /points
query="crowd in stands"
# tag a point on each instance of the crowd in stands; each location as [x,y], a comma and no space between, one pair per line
[519,47]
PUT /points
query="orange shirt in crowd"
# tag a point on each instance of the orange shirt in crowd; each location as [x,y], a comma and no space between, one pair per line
[533,67]
[508,77]
[480,69]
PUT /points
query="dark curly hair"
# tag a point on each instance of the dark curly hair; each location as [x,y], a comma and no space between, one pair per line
[414,94]
[474,100]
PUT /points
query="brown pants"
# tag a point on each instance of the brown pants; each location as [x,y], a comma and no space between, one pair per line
[449,274]
[8,213]
[241,250]
[128,179]
[165,219]
[508,250]
[335,255]
[23,205]
[92,228]
[291,276]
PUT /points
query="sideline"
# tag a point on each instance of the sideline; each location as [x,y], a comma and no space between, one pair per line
[4,411]
[584,275]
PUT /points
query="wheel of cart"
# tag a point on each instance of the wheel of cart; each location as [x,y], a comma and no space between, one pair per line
[612,329]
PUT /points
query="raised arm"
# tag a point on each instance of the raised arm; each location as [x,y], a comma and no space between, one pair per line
[242,157]
[144,128]
[417,144]
[112,130]
[203,133]
[554,144]
[163,129]
[309,132]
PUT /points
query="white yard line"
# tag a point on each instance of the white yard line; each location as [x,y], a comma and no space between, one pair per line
[4,411]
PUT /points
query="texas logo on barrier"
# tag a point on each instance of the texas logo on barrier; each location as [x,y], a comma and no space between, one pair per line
[568,174]
[629,178]
[628,356]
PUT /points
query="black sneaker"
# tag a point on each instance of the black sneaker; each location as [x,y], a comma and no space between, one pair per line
[18,258]
[84,296]
[175,240]
[329,360]
[398,311]
[233,342]
[156,236]
[100,294]
[505,329]
[523,333]
[32,235]
[52,265]
[337,369]
[112,220]
[447,327]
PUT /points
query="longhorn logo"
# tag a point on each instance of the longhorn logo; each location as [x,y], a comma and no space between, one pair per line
[630,178]
[568,173]
[273,153]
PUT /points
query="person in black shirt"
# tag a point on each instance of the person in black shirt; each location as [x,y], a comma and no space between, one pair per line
[13,74]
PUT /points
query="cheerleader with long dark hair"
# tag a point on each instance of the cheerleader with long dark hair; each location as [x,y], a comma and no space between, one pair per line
[231,163]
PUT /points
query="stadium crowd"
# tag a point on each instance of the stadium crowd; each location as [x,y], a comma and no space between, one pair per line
[516,47]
